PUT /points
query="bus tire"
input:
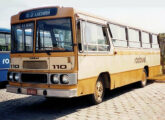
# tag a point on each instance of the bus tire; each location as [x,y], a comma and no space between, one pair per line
[99,92]
[143,82]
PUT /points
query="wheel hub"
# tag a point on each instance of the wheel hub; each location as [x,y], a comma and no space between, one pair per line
[99,91]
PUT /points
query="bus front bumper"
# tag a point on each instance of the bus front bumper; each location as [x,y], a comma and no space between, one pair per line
[65,93]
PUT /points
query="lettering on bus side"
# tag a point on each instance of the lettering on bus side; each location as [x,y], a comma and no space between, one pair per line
[5,61]
[14,66]
[140,60]
[59,67]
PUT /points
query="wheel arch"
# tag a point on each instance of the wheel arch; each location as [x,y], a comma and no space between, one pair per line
[147,70]
[106,79]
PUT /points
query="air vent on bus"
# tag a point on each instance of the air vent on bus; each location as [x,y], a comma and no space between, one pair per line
[34,78]
[35,65]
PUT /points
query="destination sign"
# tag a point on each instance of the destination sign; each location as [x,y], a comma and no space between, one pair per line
[38,13]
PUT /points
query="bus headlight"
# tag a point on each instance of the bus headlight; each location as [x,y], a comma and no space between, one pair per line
[55,79]
[16,77]
[65,79]
[10,76]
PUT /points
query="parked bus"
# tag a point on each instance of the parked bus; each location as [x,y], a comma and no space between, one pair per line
[4,54]
[71,53]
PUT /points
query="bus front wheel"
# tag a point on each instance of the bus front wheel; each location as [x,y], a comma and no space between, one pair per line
[98,95]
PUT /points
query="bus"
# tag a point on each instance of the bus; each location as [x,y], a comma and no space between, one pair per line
[70,53]
[4,54]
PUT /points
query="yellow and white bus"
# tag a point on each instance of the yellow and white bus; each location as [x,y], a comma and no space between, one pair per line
[62,52]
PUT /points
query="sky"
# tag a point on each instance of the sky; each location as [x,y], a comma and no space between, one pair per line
[144,14]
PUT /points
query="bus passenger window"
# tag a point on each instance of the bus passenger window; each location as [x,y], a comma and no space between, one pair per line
[155,41]
[146,40]
[2,42]
[134,40]
[103,41]
[8,42]
[118,35]
[95,38]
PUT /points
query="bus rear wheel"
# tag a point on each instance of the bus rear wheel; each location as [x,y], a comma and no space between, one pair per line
[98,95]
[143,82]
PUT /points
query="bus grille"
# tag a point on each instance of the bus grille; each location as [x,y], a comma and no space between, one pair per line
[34,78]
[35,65]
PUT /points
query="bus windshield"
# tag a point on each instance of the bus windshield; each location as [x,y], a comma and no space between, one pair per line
[54,35]
[22,37]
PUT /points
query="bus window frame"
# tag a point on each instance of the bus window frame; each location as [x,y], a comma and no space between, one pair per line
[79,38]
[129,28]
[83,37]
[53,51]
[154,43]
[33,37]
[126,35]
[144,42]
[6,43]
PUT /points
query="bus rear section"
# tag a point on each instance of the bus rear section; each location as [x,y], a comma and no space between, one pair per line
[4,53]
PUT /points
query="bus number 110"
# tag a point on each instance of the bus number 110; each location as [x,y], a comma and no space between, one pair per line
[59,66]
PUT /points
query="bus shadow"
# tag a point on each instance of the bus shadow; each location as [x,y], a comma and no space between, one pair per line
[3,84]
[125,89]
[39,108]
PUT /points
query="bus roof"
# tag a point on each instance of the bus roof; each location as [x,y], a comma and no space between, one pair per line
[109,21]
[5,30]
[70,10]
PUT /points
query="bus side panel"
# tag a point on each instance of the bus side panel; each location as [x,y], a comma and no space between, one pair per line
[3,75]
[4,66]
[86,86]
[127,77]
[124,68]
[89,68]
[132,76]
[154,71]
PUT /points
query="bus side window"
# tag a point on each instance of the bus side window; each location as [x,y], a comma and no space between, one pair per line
[94,38]
[8,42]
[134,39]
[146,40]
[155,43]
[3,46]
[104,42]
[118,34]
